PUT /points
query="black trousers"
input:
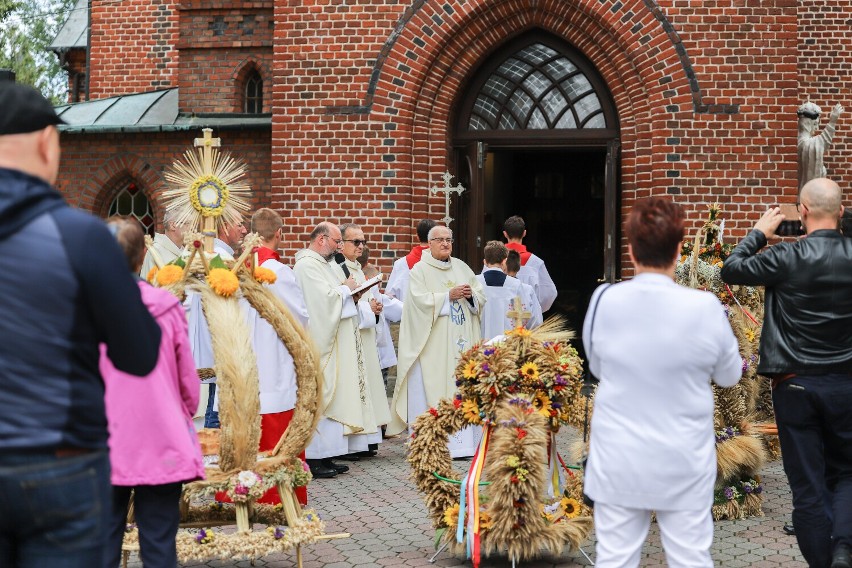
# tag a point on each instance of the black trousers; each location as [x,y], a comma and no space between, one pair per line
[157,514]
[814,416]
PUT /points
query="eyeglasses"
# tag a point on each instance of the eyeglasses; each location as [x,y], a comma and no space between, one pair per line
[447,240]
[803,206]
[356,242]
[336,241]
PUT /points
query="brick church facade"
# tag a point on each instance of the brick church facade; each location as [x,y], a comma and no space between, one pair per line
[563,111]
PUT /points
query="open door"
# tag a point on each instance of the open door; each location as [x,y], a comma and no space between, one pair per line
[468,209]
[611,208]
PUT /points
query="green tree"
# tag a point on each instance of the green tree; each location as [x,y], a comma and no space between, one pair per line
[27,27]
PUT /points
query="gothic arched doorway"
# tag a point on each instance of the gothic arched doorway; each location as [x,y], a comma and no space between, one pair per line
[536,135]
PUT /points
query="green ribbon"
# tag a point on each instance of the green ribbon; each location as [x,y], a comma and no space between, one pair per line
[457,481]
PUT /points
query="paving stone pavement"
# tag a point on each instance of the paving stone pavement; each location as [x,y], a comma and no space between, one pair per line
[380,507]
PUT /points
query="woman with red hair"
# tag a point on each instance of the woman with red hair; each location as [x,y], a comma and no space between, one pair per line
[655,346]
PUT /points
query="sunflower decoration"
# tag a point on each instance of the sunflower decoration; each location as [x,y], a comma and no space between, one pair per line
[223,281]
[529,372]
[571,507]
[542,403]
[470,370]
[264,275]
[451,515]
[471,412]
[168,275]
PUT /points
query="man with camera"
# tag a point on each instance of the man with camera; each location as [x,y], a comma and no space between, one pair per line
[806,349]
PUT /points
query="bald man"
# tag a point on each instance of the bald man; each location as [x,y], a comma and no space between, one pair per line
[806,348]
[66,290]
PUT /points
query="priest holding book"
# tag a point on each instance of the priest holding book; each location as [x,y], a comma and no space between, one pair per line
[334,326]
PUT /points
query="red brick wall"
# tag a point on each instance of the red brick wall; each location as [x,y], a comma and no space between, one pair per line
[823,66]
[133,47]
[94,166]
[217,48]
[703,92]
[364,93]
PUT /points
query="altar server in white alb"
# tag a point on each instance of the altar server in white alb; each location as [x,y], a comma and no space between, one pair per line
[398,281]
[440,320]
[505,295]
[513,265]
[533,271]
[334,327]
[369,312]
[655,346]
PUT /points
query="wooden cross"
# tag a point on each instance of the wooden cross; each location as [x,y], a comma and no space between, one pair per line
[517,314]
[447,190]
[207,145]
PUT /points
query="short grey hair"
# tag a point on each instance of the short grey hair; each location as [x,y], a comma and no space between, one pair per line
[169,217]
[438,227]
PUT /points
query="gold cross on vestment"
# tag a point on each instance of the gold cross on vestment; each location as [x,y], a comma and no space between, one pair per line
[447,190]
[517,314]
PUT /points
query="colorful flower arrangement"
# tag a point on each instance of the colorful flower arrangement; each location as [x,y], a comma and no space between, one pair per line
[738,490]
[264,275]
[246,486]
[548,372]
[740,450]
[521,389]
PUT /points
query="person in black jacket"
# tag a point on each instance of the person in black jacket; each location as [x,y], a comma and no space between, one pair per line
[64,290]
[806,349]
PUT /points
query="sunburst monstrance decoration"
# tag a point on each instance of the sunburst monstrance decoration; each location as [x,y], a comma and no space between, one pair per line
[207,188]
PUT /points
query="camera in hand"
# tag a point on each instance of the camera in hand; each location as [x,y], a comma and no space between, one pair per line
[792,224]
[790,229]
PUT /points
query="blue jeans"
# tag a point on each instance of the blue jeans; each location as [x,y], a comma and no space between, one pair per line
[211,417]
[53,511]
[815,430]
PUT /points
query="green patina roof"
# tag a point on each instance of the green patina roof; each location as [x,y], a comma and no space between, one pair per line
[156,111]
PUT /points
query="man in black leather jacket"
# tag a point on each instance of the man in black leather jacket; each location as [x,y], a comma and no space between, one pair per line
[806,348]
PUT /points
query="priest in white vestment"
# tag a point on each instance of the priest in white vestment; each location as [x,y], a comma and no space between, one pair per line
[369,314]
[533,271]
[398,281]
[505,296]
[345,407]
[168,246]
[655,346]
[440,320]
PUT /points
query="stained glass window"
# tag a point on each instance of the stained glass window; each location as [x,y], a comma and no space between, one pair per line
[131,201]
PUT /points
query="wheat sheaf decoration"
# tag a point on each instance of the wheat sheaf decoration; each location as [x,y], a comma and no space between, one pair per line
[521,388]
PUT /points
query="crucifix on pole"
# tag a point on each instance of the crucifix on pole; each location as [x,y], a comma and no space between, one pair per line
[447,189]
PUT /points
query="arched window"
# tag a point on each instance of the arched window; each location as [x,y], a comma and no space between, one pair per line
[537,88]
[253,97]
[131,201]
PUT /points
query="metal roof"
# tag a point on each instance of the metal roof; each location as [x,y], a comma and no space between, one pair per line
[74,32]
[155,111]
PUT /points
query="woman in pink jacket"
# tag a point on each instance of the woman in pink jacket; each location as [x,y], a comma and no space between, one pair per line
[153,445]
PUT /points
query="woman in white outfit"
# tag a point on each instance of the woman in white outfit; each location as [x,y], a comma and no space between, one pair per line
[655,346]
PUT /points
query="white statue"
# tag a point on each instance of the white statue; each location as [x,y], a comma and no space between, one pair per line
[811,146]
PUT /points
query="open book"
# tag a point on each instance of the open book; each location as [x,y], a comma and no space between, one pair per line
[367,284]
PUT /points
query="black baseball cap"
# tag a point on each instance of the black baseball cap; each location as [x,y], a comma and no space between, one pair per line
[23,109]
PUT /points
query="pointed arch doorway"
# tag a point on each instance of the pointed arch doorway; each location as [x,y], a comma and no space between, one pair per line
[536,135]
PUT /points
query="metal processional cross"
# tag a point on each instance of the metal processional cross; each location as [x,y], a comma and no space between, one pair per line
[447,190]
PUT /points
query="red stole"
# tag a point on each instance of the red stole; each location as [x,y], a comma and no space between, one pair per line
[415,255]
[264,254]
[521,250]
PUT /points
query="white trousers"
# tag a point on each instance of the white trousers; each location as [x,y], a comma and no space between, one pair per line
[621,532]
